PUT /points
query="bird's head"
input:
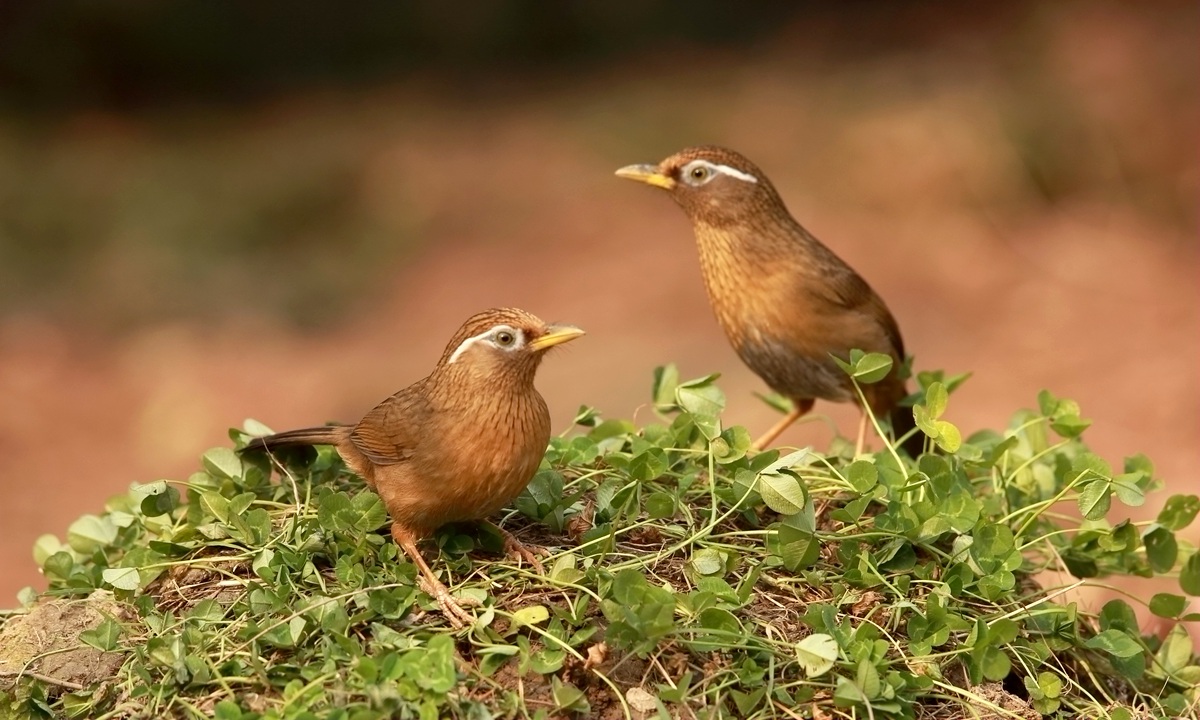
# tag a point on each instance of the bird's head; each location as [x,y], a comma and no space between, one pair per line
[713,185]
[503,345]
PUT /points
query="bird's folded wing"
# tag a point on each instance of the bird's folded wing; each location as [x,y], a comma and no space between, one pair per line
[389,433]
[846,289]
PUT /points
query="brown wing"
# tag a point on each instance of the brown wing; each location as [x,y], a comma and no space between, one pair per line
[389,433]
[846,289]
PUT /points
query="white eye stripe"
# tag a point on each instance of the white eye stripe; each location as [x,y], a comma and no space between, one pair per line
[735,173]
[518,340]
[719,169]
[458,351]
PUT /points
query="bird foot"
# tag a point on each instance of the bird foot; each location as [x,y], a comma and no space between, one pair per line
[453,609]
[519,551]
[531,554]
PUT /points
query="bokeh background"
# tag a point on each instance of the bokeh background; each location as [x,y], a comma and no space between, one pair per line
[218,210]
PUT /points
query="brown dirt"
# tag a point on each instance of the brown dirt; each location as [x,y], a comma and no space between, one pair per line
[1093,294]
[45,641]
[1011,705]
[536,690]
[183,586]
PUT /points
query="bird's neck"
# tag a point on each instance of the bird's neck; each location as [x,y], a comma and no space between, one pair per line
[751,249]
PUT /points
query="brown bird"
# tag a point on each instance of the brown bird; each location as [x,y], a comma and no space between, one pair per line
[457,445]
[785,301]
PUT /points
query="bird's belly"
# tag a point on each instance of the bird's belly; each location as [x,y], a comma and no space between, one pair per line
[792,372]
[766,340]
[785,342]
[474,497]
[486,476]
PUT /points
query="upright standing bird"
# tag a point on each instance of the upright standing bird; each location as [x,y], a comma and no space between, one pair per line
[457,445]
[785,301]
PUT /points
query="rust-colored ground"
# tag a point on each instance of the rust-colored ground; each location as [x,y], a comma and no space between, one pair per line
[909,168]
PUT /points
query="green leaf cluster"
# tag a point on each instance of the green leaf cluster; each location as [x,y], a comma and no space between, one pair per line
[688,576]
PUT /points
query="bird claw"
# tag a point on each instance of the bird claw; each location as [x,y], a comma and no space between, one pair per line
[453,609]
[519,551]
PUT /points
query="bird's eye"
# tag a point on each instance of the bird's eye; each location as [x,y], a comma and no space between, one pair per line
[699,173]
[505,339]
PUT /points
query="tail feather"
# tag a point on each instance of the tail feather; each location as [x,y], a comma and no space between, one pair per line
[327,435]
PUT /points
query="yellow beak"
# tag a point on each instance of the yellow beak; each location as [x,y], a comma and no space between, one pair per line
[648,174]
[555,335]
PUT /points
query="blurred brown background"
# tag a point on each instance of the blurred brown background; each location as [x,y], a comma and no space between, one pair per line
[211,211]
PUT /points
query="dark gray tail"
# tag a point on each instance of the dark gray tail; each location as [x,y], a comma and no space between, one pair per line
[328,435]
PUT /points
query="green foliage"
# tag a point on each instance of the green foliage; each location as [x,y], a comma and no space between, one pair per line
[689,577]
